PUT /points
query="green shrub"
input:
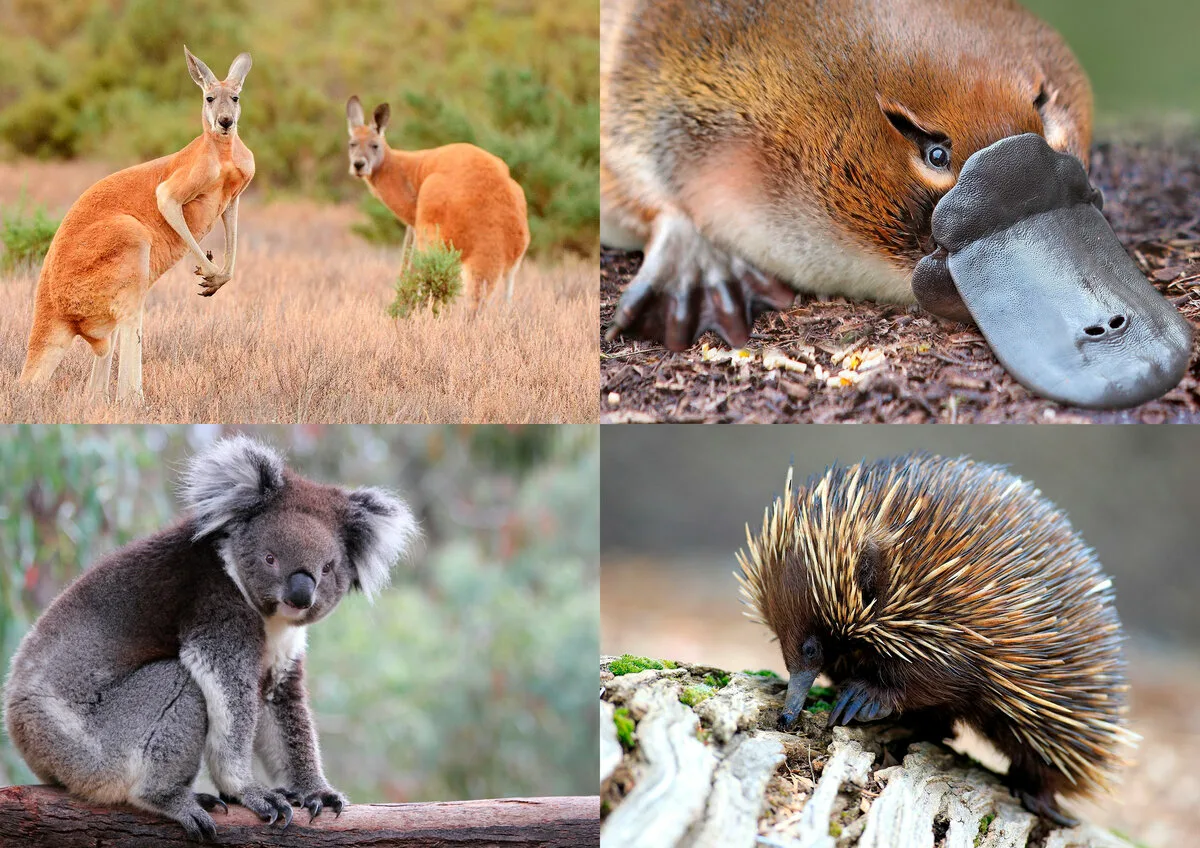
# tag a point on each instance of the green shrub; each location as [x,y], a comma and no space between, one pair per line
[433,278]
[26,237]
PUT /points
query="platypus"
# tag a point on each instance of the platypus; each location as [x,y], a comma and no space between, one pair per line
[756,148]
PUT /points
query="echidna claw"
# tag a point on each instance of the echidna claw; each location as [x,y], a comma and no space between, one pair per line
[857,699]
[1040,805]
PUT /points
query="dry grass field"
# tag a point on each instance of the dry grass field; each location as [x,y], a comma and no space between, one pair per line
[301,333]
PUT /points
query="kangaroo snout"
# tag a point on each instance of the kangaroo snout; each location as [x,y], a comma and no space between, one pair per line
[226,122]
[359,164]
[300,590]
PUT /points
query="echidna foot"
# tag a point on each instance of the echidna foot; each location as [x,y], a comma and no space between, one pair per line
[1044,805]
[859,699]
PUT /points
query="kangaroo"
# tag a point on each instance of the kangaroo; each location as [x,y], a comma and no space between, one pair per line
[459,193]
[124,232]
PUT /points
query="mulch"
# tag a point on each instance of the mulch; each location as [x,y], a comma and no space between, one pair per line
[934,370]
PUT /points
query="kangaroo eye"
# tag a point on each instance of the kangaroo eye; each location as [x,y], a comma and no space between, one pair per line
[270,559]
[235,100]
[209,99]
[937,156]
[374,146]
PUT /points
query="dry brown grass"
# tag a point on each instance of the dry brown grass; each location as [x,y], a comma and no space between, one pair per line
[301,334]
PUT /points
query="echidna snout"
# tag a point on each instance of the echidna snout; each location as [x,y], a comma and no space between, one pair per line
[946,590]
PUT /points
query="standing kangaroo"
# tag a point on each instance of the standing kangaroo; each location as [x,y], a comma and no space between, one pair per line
[458,193]
[124,232]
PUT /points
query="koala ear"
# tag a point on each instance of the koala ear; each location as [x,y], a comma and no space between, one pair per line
[229,480]
[379,529]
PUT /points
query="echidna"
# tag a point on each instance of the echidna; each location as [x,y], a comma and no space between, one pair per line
[948,590]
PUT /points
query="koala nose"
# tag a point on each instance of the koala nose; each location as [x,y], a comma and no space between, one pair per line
[359,164]
[226,122]
[300,589]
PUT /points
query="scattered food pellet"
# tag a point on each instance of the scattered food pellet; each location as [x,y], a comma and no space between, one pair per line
[774,358]
[613,399]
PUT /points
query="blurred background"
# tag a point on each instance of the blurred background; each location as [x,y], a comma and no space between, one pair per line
[470,677]
[1141,57]
[105,80]
[676,501]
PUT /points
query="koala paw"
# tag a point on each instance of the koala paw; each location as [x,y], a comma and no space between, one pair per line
[268,805]
[316,800]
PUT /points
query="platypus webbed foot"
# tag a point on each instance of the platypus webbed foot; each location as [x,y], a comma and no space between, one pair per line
[1025,252]
[686,286]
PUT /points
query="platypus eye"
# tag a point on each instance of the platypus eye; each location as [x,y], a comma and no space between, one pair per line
[937,156]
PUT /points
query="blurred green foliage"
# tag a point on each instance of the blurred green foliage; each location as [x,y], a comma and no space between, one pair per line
[471,677]
[26,235]
[517,77]
[432,279]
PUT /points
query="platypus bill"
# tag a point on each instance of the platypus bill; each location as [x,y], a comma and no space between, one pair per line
[754,149]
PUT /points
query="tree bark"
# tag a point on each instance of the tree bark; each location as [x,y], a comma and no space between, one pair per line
[718,774]
[45,817]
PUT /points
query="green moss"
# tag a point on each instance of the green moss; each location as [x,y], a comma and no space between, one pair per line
[669,664]
[629,664]
[625,726]
[719,682]
[835,830]
[766,672]
[696,694]
[984,824]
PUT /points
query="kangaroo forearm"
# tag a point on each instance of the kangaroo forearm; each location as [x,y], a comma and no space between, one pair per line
[172,212]
[229,219]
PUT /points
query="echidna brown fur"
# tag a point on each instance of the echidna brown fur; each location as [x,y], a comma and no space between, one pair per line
[949,590]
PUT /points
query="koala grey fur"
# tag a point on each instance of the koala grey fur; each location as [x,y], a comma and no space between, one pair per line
[190,643]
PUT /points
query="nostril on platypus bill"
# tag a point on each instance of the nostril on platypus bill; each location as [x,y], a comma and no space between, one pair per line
[919,150]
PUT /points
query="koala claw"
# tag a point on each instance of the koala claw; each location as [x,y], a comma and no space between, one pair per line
[211,802]
[317,801]
[268,805]
[199,827]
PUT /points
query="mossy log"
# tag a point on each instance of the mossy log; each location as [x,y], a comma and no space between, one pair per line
[45,817]
[706,767]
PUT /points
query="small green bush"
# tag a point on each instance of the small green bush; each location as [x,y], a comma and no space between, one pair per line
[26,237]
[433,279]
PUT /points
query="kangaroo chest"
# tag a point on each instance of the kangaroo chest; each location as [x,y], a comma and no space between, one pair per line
[229,179]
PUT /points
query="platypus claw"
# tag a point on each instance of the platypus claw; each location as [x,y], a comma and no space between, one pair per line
[687,286]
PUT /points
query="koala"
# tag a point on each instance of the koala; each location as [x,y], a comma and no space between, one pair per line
[189,644]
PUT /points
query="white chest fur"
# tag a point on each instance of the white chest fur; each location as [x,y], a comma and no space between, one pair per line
[285,644]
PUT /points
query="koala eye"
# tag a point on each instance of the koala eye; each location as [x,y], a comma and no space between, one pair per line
[210,98]
[235,100]
[270,559]
[327,567]
[937,156]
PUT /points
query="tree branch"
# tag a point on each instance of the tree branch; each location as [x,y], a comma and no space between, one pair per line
[717,774]
[45,817]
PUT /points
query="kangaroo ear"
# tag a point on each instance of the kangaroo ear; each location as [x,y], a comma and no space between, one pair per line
[201,75]
[238,71]
[383,113]
[379,529]
[354,113]
[229,481]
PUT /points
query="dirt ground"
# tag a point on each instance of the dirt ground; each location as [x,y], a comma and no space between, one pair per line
[932,371]
[301,333]
[650,610]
